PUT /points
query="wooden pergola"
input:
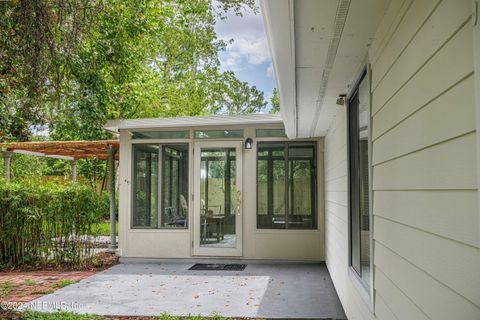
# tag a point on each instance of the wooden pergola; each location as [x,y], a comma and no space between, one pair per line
[73,151]
[70,150]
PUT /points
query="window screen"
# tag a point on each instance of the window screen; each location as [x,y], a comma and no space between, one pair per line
[286,185]
[145,186]
[160,186]
[174,208]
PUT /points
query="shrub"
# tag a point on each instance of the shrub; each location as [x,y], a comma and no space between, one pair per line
[48,222]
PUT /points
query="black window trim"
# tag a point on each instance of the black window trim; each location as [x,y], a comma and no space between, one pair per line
[133,184]
[161,203]
[364,74]
[160,144]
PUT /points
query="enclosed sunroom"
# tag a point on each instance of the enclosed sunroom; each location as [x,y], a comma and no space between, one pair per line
[218,186]
[373,166]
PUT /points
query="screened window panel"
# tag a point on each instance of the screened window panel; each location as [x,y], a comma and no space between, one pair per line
[174,209]
[160,186]
[278,188]
[286,185]
[145,186]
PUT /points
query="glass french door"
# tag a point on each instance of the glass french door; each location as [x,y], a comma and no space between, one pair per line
[218,198]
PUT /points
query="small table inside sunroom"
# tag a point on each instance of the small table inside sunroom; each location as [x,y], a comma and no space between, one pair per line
[219,222]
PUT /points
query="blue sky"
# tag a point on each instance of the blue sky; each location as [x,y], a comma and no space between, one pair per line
[248,56]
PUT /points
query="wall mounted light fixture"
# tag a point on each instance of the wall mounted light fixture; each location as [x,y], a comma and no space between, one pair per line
[341,99]
[248,143]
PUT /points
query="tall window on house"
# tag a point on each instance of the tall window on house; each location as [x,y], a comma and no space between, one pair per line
[359,182]
[145,186]
[286,185]
[160,186]
[174,208]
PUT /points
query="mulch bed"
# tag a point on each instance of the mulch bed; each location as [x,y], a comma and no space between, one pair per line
[28,283]
[101,261]
[27,286]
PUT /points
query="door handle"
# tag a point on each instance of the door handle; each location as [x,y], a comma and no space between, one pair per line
[239,201]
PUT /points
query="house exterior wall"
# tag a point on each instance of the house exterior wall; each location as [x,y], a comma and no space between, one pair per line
[257,243]
[424,165]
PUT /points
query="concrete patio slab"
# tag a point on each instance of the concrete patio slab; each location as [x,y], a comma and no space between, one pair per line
[262,290]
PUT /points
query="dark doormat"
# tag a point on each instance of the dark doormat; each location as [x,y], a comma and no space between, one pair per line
[217,267]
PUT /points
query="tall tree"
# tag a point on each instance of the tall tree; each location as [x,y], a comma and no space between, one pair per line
[37,37]
[73,64]
[237,97]
[275,102]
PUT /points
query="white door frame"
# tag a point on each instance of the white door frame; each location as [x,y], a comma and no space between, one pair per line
[216,251]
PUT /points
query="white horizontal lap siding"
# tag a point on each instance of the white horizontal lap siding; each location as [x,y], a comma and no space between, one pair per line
[434,33]
[336,218]
[426,228]
[424,157]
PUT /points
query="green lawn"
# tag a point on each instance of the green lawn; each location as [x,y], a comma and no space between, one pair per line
[33,315]
[103,228]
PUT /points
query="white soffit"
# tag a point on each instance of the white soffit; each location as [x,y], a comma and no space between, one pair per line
[278,20]
[331,40]
[196,121]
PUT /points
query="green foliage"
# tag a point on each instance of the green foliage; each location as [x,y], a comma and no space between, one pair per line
[32,167]
[94,170]
[6,288]
[63,283]
[275,102]
[42,223]
[237,97]
[35,315]
[29,282]
[71,65]
[166,316]
[23,166]
[38,38]
[103,228]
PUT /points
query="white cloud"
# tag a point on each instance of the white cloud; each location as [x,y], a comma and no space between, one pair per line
[250,42]
[248,56]
[270,71]
[230,61]
[255,51]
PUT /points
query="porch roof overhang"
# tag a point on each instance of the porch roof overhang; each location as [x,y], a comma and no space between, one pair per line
[67,150]
[189,122]
[317,48]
